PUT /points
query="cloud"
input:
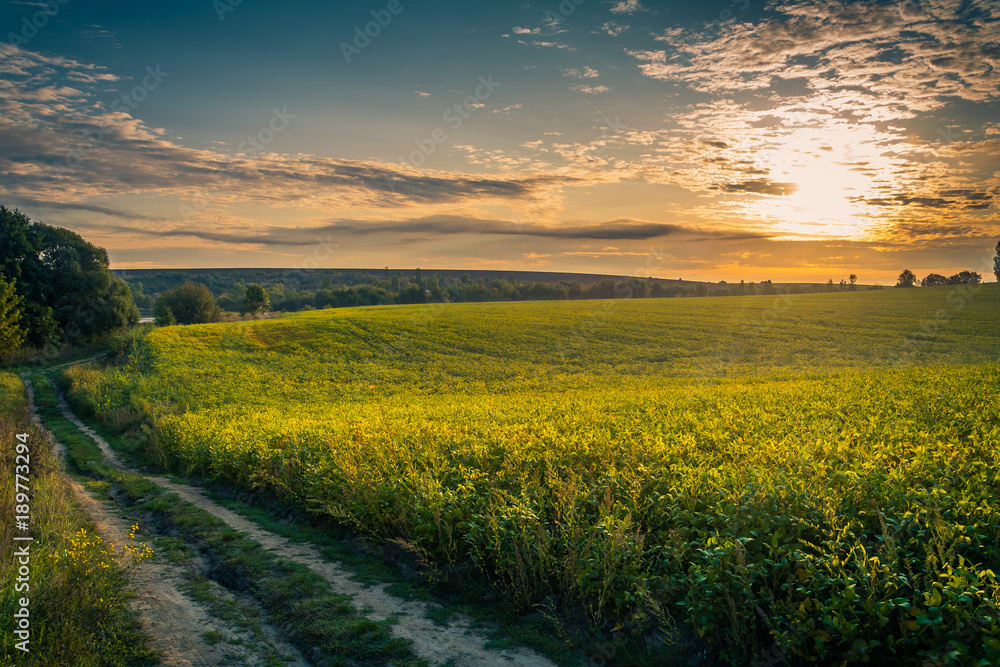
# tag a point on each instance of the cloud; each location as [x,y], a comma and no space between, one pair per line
[591,90]
[760,186]
[552,45]
[78,206]
[860,115]
[508,109]
[626,7]
[613,29]
[914,57]
[59,145]
[442,226]
[967,200]
[584,73]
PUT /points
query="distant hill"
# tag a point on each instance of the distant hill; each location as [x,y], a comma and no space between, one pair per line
[219,281]
[298,289]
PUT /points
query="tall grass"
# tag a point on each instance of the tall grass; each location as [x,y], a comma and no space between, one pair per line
[78,593]
[778,514]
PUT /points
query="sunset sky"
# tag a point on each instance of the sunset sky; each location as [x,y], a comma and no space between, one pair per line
[792,141]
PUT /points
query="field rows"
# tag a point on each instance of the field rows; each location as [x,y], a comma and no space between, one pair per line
[774,514]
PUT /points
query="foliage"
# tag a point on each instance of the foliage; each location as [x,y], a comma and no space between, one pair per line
[11,334]
[163,316]
[63,280]
[933,280]
[906,279]
[996,263]
[965,278]
[320,623]
[190,303]
[256,299]
[78,587]
[296,290]
[632,457]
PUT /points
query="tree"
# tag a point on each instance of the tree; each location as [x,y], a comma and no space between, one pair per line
[933,280]
[11,333]
[190,303]
[906,279]
[162,315]
[63,280]
[965,278]
[996,263]
[256,299]
[853,278]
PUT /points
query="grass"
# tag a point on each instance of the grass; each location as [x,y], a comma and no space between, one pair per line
[321,624]
[78,592]
[408,575]
[805,477]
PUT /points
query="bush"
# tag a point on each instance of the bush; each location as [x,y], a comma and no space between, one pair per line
[190,303]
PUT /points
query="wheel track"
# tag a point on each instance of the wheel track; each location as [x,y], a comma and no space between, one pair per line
[458,642]
[174,623]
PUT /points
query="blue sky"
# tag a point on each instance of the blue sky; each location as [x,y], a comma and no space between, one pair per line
[797,140]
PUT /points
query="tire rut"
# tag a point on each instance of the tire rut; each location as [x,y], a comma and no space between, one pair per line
[174,623]
[457,642]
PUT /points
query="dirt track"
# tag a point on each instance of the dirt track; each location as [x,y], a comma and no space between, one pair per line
[174,623]
[456,642]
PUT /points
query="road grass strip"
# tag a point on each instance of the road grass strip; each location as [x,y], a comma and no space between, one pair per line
[323,625]
[77,587]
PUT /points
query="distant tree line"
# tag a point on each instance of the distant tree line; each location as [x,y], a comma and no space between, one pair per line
[190,302]
[417,288]
[908,279]
[55,287]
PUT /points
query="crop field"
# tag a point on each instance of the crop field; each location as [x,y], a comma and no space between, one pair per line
[774,479]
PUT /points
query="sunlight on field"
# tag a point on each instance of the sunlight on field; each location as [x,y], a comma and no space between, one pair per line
[814,471]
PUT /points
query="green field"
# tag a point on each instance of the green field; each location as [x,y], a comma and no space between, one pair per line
[772,478]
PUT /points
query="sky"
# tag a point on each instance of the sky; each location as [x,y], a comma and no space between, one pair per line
[796,140]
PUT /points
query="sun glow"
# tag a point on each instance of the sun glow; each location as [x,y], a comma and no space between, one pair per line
[831,171]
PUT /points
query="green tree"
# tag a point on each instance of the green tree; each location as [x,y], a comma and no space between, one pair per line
[162,315]
[906,279]
[190,303]
[933,280]
[434,287]
[256,300]
[64,282]
[996,263]
[854,279]
[11,333]
[965,278]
